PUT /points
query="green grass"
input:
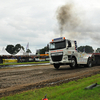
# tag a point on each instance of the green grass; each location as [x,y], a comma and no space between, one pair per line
[73,90]
[26,63]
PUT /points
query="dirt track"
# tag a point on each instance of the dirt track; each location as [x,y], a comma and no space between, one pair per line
[14,80]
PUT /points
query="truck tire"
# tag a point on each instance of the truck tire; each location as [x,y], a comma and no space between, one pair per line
[56,66]
[73,63]
[89,63]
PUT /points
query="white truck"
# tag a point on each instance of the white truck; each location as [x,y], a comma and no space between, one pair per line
[64,52]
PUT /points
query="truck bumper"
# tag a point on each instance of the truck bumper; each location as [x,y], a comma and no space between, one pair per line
[60,62]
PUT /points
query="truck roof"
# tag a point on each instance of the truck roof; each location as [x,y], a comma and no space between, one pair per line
[59,39]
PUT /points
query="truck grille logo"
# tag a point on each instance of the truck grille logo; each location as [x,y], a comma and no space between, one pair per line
[56,54]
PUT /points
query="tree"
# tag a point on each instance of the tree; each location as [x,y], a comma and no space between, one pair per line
[87,49]
[10,49]
[17,48]
[28,51]
[14,49]
[98,50]
[43,50]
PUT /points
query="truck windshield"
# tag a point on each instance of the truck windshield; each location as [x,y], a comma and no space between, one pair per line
[57,45]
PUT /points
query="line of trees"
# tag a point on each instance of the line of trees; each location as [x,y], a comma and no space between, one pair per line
[87,49]
[43,50]
[15,49]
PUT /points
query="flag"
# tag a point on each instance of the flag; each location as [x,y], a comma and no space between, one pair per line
[27,46]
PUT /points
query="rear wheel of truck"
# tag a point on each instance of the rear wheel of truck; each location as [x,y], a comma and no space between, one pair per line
[73,63]
[56,66]
[89,63]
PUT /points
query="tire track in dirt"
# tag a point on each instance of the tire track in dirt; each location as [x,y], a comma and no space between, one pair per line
[22,79]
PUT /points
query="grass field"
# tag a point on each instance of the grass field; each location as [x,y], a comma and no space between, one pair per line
[26,63]
[73,90]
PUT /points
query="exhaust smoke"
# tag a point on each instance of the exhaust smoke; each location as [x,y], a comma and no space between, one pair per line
[67,19]
[78,23]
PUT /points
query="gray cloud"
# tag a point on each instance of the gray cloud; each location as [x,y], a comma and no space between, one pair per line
[34,21]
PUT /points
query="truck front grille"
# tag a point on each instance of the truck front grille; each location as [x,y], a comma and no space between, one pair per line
[57,58]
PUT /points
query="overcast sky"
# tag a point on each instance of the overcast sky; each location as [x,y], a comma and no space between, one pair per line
[34,21]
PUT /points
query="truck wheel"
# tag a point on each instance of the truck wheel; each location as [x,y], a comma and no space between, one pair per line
[56,66]
[89,63]
[73,63]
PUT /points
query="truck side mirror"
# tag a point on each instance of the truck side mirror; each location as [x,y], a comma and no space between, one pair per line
[69,44]
[66,46]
